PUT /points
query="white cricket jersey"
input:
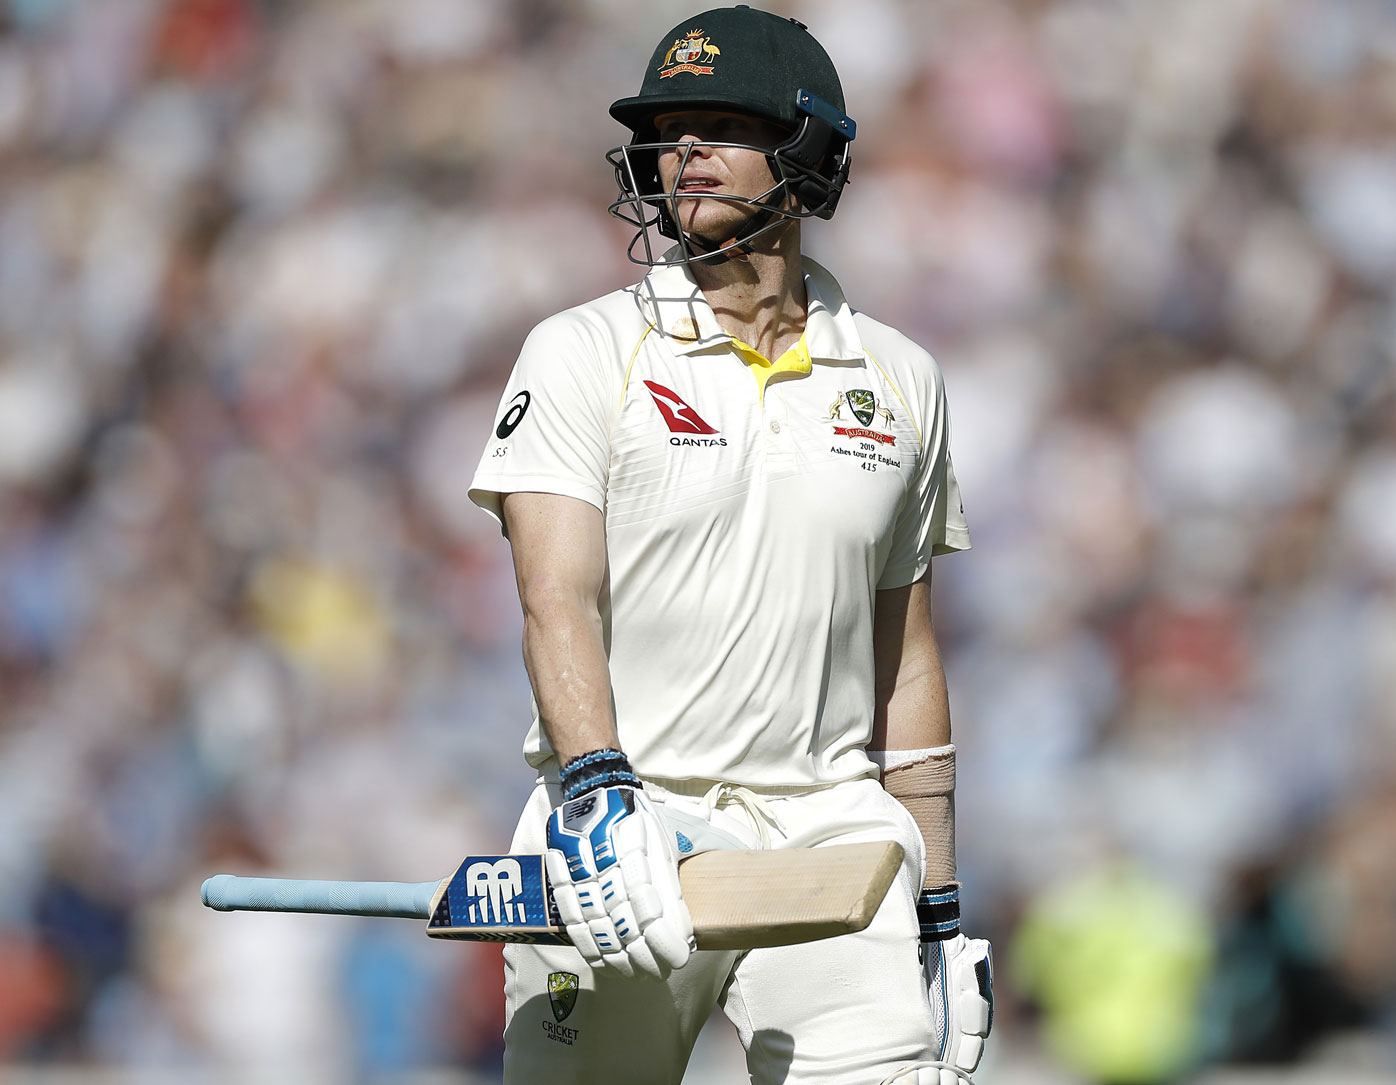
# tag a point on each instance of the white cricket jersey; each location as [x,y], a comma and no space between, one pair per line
[747,531]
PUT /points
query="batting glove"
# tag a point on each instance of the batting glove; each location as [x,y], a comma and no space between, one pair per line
[959,974]
[614,873]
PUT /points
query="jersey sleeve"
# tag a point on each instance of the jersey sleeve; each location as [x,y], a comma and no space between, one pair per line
[552,430]
[932,519]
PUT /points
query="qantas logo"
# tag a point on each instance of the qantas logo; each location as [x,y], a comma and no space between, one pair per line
[681,418]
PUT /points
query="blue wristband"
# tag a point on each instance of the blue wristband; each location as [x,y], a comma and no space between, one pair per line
[595,770]
[938,912]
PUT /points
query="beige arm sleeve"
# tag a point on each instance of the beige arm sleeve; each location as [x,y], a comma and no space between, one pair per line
[926,787]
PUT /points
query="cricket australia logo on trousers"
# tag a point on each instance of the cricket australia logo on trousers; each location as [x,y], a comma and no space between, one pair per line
[562,995]
[493,887]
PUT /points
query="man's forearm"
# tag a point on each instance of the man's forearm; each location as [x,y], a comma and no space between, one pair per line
[918,761]
[559,546]
[567,665]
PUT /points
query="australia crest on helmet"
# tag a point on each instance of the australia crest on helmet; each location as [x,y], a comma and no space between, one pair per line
[686,51]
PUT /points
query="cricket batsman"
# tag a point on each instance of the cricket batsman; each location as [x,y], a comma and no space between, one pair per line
[723,487]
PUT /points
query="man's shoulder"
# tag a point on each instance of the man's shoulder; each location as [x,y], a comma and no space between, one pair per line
[895,350]
[613,319]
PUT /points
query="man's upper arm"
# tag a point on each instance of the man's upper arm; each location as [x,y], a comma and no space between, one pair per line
[559,546]
[912,710]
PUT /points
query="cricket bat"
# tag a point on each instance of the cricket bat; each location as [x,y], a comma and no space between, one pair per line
[739,899]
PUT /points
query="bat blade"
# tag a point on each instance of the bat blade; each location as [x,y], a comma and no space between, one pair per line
[738,899]
[753,899]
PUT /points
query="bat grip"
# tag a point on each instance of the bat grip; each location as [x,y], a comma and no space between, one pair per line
[405,900]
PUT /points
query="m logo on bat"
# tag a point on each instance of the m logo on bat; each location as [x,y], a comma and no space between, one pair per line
[492,888]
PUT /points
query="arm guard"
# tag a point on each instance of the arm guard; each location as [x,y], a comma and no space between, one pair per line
[925,785]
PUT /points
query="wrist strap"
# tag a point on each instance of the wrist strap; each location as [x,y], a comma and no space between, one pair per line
[591,771]
[938,912]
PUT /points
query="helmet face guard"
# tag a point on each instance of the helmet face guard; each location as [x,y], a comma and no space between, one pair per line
[808,171]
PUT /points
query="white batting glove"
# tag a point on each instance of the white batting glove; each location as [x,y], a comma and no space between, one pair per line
[959,974]
[616,882]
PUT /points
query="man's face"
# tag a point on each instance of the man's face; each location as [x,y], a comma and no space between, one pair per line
[732,171]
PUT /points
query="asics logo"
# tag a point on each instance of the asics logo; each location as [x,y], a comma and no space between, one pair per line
[492,888]
[680,417]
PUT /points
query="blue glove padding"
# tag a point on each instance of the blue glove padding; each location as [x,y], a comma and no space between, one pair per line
[616,883]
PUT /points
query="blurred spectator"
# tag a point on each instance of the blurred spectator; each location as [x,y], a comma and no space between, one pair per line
[1116,959]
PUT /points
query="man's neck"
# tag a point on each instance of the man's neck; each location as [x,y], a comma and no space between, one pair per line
[759,298]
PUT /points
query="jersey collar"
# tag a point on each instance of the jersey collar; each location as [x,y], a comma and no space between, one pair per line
[672,302]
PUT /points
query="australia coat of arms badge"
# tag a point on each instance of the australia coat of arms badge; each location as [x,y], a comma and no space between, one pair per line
[685,51]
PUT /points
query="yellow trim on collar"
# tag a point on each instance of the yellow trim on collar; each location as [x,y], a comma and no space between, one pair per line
[796,360]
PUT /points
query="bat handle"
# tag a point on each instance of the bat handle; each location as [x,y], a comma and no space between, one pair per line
[405,900]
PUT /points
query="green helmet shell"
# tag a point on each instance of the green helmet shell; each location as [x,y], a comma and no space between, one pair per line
[736,58]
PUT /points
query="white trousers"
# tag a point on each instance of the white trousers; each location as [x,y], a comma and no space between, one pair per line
[850,1010]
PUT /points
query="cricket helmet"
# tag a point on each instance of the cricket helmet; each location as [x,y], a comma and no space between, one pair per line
[739,60]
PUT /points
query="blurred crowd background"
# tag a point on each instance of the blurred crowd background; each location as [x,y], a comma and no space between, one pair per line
[264,267]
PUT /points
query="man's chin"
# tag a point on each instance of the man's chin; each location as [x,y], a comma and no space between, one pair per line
[710,227]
